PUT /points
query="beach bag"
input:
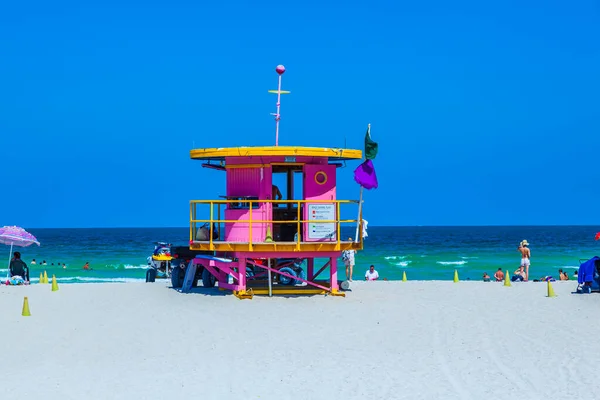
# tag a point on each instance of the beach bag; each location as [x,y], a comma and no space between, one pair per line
[345,255]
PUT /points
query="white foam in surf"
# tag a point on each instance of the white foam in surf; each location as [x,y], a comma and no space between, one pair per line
[75,279]
[395,257]
[452,262]
[136,266]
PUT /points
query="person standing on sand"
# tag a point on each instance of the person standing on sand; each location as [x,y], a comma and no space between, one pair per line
[525,257]
[348,257]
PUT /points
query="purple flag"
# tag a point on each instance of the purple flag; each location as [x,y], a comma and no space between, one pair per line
[365,175]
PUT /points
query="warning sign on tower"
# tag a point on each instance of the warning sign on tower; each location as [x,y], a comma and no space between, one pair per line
[321,230]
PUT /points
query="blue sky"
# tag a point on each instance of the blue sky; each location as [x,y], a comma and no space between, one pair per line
[485,113]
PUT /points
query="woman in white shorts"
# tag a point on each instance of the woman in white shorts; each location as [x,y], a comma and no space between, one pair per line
[348,257]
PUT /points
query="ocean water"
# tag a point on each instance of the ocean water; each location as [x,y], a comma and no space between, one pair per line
[425,253]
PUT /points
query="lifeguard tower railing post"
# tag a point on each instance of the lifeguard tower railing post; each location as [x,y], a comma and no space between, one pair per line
[299,221]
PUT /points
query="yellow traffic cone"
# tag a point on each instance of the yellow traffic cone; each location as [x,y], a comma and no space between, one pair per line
[268,237]
[455,275]
[45,277]
[506,279]
[404,276]
[26,312]
[41,278]
[550,290]
[54,284]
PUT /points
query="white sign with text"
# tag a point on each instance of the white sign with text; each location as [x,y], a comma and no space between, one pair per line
[321,230]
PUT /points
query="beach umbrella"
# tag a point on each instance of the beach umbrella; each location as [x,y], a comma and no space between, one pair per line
[16,236]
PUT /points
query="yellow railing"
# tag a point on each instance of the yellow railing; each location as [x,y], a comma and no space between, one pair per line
[249,205]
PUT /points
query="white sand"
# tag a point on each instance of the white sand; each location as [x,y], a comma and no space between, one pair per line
[385,340]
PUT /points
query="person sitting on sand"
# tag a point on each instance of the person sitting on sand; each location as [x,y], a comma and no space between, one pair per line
[499,275]
[486,277]
[18,267]
[563,275]
[519,275]
[371,274]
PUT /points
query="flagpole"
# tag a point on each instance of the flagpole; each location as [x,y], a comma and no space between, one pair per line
[280,69]
[359,219]
[277,116]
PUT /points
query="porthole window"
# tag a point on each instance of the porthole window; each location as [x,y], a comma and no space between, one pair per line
[321,178]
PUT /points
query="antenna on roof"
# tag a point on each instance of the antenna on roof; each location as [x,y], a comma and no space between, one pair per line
[280,69]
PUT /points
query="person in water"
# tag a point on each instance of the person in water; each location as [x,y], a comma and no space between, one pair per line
[33,262]
[86,266]
[525,257]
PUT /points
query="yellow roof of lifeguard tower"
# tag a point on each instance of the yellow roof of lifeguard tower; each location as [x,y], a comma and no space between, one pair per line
[275,151]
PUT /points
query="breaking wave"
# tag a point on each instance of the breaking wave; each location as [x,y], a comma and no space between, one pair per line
[452,262]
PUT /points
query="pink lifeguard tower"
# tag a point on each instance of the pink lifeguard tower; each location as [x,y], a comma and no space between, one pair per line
[262,243]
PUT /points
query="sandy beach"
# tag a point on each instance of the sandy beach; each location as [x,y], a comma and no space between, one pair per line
[385,340]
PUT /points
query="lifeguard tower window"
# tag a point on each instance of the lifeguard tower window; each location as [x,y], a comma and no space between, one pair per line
[288,179]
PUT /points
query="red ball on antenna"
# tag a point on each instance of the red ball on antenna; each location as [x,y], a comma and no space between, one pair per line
[280,69]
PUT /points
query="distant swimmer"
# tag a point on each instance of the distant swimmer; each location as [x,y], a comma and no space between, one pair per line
[525,257]
[64,266]
[33,262]
[86,266]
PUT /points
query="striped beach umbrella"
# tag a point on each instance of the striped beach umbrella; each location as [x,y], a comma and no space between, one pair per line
[16,236]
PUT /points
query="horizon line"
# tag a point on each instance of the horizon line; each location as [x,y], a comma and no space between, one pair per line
[372,226]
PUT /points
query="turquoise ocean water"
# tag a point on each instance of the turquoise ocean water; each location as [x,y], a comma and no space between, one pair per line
[425,253]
